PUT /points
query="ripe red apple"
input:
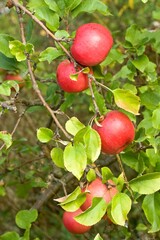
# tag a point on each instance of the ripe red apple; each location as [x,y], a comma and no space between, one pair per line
[92,44]
[64,70]
[116,132]
[98,189]
[71,224]
[16,78]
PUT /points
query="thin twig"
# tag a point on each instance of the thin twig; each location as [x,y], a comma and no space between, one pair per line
[124,175]
[15,128]
[34,83]
[52,190]
[17,4]
[100,84]
[93,99]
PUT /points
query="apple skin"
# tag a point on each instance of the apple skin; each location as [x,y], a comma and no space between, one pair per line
[16,78]
[92,44]
[71,225]
[98,189]
[116,132]
[64,70]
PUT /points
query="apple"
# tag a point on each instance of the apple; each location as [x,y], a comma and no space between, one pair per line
[91,44]
[116,131]
[72,225]
[98,189]
[64,70]
[16,78]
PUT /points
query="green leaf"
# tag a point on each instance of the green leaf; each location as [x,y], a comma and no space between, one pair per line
[91,175]
[11,64]
[146,184]
[106,174]
[144,1]
[5,89]
[53,6]
[156,118]
[49,54]
[92,143]
[44,135]
[10,236]
[71,4]
[134,161]
[6,138]
[73,125]
[151,209]
[127,100]
[153,156]
[141,63]
[93,214]
[43,12]
[120,207]
[24,218]
[57,157]
[90,7]
[75,159]
[113,56]
[73,201]
[18,50]
[2,191]
[133,35]
[98,237]
[4,46]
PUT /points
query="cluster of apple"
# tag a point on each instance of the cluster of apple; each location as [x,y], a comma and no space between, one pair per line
[90,47]
[95,189]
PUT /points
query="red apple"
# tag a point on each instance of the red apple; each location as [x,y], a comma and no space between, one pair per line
[64,70]
[92,44]
[98,189]
[71,224]
[16,78]
[116,132]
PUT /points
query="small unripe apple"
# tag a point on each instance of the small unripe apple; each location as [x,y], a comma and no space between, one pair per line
[16,78]
[116,131]
[92,44]
[72,225]
[98,189]
[64,70]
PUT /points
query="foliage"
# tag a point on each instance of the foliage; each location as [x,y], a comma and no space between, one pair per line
[49,149]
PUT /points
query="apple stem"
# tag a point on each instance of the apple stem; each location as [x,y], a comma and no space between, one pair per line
[34,83]
[124,175]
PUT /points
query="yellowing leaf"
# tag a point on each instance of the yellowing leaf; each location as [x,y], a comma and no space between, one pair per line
[126,100]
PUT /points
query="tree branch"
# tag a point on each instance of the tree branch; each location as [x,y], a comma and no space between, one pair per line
[16,4]
[34,83]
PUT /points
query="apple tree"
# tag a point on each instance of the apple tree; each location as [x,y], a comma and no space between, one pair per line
[80,119]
